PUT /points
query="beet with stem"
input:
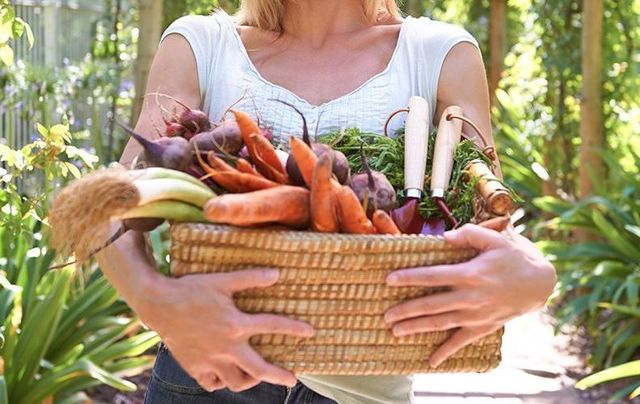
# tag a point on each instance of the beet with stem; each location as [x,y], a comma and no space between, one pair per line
[225,138]
[373,189]
[169,152]
[340,168]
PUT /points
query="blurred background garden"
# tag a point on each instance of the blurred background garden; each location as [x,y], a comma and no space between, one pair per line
[565,82]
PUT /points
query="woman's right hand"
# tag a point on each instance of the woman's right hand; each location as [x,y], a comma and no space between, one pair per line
[198,321]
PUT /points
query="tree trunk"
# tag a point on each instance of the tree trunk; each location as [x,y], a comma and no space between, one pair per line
[150,25]
[591,115]
[497,44]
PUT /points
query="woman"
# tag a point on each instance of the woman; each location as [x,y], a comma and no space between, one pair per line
[343,63]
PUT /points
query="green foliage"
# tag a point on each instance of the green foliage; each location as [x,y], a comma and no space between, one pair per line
[600,280]
[172,10]
[631,369]
[11,28]
[386,155]
[62,331]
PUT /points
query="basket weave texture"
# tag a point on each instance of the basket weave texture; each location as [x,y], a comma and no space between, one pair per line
[335,282]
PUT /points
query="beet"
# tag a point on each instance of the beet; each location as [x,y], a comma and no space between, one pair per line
[375,187]
[244,153]
[381,196]
[340,165]
[142,225]
[169,152]
[226,138]
[174,129]
[194,121]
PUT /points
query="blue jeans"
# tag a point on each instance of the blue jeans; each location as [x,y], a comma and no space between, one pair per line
[172,385]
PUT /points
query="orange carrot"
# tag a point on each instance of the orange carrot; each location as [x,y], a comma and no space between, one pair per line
[384,224]
[244,166]
[323,204]
[352,217]
[237,182]
[219,164]
[305,158]
[266,159]
[284,204]
[205,167]
[247,126]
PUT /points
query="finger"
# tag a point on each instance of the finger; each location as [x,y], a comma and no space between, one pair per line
[244,279]
[234,378]
[439,275]
[473,236]
[457,341]
[259,369]
[253,324]
[498,224]
[210,382]
[429,305]
[439,322]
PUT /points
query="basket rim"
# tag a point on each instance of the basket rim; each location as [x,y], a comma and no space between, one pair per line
[291,232]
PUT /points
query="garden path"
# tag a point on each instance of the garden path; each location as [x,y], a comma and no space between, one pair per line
[533,370]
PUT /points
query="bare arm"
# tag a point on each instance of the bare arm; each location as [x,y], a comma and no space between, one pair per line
[131,248]
[195,315]
[463,82]
[508,278]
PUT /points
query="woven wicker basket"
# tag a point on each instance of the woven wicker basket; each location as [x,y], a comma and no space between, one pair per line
[336,283]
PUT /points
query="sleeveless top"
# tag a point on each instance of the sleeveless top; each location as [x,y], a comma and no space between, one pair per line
[226,74]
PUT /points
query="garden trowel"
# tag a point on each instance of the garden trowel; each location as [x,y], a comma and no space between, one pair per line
[416,136]
[447,140]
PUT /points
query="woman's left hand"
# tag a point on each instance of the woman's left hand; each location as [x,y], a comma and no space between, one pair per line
[508,278]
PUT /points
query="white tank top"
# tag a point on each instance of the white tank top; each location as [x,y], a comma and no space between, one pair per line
[226,74]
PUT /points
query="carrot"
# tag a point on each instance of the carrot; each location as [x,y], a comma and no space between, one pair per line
[247,126]
[323,204]
[266,159]
[219,164]
[352,217]
[384,224]
[206,167]
[237,182]
[284,204]
[305,158]
[244,166]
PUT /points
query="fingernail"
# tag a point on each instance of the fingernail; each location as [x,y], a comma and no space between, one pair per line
[451,233]
[389,317]
[399,331]
[393,279]
[272,275]
[309,332]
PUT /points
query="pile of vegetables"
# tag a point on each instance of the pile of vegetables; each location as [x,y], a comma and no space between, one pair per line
[229,172]
[386,155]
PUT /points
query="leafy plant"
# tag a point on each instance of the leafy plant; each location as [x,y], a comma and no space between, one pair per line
[11,28]
[630,369]
[600,279]
[66,330]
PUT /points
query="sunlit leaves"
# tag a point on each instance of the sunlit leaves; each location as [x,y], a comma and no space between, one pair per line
[11,28]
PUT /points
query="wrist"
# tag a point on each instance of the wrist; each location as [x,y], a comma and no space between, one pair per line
[152,286]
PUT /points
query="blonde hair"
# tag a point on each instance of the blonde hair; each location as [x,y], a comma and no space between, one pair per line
[268,14]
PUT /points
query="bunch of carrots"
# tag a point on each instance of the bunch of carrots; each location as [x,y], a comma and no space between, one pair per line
[261,193]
